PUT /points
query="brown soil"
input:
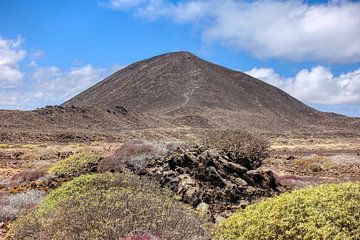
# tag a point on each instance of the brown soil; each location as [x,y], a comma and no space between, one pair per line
[303,162]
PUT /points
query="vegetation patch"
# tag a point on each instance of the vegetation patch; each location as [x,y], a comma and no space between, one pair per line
[329,211]
[242,143]
[28,175]
[11,205]
[75,165]
[108,206]
[133,154]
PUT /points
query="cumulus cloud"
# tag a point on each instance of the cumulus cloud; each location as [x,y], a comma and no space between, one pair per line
[33,85]
[11,54]
[53,83]
[317,85]
[51,86]
[123,4]
[291,29]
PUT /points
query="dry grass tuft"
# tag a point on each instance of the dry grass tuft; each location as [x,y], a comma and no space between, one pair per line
[252,147]
[134,155]
[28,175]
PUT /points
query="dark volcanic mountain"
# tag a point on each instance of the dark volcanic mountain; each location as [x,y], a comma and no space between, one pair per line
[182,84]
[181,81]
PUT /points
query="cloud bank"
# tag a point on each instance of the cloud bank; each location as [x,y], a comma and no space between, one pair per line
[292,30]
[11,55]
[33,85]
[317,85]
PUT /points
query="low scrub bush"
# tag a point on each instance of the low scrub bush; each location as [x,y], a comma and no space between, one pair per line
[109,206]
[240,142]
[329,211]
[134,155]
[12,204]
[245,145]
[75,165]
[28,175]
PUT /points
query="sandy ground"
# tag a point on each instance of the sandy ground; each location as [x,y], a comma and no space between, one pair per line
[301,162]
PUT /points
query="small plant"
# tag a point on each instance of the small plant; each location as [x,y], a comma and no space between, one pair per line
[134,155]
[12,204]
[75,165]
[245,145]
[313,164]
[109,206]
[28,175]
[329,211]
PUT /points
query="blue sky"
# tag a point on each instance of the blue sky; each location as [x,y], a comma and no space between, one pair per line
[52,50]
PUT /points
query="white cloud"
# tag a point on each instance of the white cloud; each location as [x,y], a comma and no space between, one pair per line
[57,85]
[317,85]
[290,29]
[123,4]
[11,54]
[18,99]
[32,85]
[36,54]
[268,75]
[51,86]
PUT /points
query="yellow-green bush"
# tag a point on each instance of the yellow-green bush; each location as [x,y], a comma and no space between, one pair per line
[329,211]
[108,206]
[75,165]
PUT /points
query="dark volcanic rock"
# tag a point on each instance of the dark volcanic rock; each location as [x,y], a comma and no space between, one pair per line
[217,181]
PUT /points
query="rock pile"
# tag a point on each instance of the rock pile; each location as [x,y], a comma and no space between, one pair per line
[213,181]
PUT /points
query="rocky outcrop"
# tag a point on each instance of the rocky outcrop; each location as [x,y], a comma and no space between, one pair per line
[214,182]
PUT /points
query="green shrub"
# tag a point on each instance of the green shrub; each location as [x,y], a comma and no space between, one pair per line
[108,206]
[75,165]
[326,212]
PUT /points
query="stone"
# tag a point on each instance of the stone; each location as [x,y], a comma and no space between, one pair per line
[185,181]
[289,157]
[243,203]
[250,190]
[219,219]
[233,167]
[212,153]
[188,160]
[262,178]
[215,178]
[239,181]
[190,196]
[204,209]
